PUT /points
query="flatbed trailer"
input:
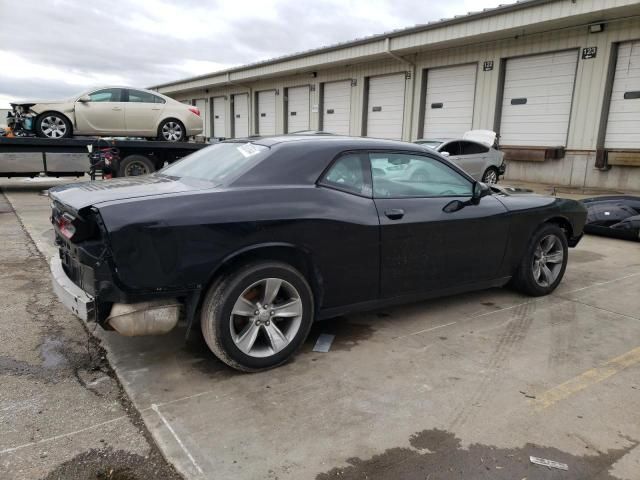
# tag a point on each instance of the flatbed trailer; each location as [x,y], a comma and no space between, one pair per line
[33,156]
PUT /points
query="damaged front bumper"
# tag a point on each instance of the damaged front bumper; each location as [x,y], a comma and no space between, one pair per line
[73,297]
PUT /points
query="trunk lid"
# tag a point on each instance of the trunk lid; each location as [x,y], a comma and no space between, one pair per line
[76,196]
[486,137]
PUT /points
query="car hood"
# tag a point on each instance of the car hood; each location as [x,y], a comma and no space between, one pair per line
[40,102]
[76,196]
[486,137]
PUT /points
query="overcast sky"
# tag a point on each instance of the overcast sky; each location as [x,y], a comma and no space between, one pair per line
[55,48]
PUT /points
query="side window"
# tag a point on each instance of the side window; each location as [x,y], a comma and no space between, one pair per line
[452,147]
[136,96]
[348,173]
[107,95]
[157,99]
[473,148]
[401,175]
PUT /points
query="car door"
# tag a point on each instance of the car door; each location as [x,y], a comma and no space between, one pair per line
[142,112]
[423,247]
[473,158]
[102,114]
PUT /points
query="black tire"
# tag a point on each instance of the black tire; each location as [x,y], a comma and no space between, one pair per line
[53,125]
[173,125]
[219,303]
[489,175]
[524,280]
[134,165]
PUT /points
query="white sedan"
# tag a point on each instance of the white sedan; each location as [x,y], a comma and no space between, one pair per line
[113,111]
[474,153]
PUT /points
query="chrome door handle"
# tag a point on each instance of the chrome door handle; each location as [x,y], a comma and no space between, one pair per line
[117,108]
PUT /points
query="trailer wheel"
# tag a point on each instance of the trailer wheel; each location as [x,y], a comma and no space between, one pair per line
[135,165]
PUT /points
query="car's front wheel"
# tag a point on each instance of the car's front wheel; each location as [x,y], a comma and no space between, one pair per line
[544,262]
[258,316]
[53,125]
[172,130]
[490,176]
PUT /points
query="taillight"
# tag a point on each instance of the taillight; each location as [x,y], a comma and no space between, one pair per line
[195,110]
[66,226]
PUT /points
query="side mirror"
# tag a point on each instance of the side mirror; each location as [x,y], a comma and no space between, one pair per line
[479,190]
[84,99]
[445,154]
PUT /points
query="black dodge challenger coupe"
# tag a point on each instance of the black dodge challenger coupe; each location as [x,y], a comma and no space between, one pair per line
[257,238]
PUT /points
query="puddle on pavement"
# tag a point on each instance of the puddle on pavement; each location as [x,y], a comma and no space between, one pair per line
[51,352]
[584,256]
[438,455]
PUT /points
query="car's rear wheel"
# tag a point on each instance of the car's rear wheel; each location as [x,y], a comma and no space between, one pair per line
[490,175]
[544,262]
[172,130]
[135,165]
[257,317]
[53,125]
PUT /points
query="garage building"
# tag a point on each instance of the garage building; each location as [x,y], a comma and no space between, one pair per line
[558,80]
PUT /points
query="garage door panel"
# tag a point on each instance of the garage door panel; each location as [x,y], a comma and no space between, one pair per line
[452,91]
[241,115]
[298,109]
[546,81]
[336,109]
[623,122]
[219,117]
[385,112]
[267,112]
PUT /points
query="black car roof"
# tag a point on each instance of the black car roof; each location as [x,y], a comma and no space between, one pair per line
[335,141]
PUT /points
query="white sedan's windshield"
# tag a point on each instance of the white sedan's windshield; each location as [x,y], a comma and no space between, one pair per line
[221,163]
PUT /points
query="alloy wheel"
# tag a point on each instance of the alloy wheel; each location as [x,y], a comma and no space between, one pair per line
[548,258]
[53,127]
[266,317]
[490,177]
[172,131]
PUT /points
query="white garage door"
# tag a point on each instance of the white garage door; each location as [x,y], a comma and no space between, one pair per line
[267,112]
[536,104]
[297,109]
[336,108]
[241,115]
[623,124]
[385,111]
[219,118]
[448,111]
[201,104]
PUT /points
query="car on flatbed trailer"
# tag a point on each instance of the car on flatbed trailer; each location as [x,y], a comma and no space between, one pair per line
[263,236]
[32,156]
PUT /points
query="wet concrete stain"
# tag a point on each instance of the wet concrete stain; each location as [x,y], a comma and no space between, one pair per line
[584,256]
[347,333]
[110,464]
[438,455]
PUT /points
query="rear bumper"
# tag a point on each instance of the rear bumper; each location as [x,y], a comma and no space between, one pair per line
[70,295]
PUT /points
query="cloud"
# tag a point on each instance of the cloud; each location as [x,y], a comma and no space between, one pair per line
[59,47]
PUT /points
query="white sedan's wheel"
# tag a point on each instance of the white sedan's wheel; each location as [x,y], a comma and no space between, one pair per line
[171,131]
[53,125]
[490,176]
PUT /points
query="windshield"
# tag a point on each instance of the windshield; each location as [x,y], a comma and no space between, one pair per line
[220,164]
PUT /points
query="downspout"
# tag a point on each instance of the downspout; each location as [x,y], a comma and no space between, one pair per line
[412,65]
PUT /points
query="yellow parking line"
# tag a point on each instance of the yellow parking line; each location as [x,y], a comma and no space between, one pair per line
[588,378]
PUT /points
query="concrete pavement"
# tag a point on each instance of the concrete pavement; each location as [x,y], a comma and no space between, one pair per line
[463,387]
